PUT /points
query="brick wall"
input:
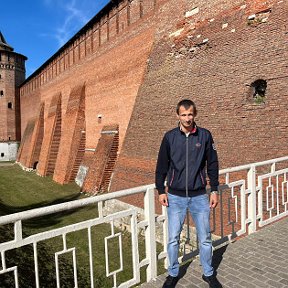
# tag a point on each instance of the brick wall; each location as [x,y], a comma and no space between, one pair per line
[51,139]
[72,138]
[101,167]
[212,59]
[24,149]
[111,66]
[33,143]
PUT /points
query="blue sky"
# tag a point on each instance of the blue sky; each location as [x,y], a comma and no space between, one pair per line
[38,28]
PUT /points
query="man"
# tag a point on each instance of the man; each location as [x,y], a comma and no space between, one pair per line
[184,155]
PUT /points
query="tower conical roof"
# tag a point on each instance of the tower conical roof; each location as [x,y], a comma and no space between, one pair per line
[3,43]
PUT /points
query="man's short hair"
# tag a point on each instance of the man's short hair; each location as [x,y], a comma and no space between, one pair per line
[186,103]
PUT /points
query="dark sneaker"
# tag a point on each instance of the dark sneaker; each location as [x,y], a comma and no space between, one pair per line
[170,282]
[212,281]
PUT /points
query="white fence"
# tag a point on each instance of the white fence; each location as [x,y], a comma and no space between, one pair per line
[250,196]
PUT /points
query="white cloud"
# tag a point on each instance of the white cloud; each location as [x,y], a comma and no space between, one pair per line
[75,14]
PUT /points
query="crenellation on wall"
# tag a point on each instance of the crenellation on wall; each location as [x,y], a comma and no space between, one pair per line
[113,19]
[103,31]
[88,43]
[134,11]
[82,51]
[123,12]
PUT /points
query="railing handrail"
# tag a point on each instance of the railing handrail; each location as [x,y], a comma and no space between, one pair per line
[37,212]
[256,164]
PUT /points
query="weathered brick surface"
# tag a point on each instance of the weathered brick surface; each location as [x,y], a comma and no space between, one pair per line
[72,138]
[105,155]
[51,139]
[23,152]
[216,75]
[35,141]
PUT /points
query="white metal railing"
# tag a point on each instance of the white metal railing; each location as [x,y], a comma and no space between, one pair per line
[148,223]
[256,191]
[249,195]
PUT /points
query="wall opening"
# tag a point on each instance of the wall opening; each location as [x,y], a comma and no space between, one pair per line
[10,105]
[35,165]
[258,88]
[2,154]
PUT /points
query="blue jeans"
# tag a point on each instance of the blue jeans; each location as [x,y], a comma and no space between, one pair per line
[200,211]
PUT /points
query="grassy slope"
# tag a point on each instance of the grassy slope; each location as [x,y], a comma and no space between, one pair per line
[20,190]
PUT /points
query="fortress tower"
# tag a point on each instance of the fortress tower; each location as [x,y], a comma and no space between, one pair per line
[12,74]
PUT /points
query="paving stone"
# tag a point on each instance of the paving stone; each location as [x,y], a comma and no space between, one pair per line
[259,282]
[275,284]
[283,275]
[247,284]
[245,271]
[284,281]
[271,270]
[271,276]
[192,286]
[281,268]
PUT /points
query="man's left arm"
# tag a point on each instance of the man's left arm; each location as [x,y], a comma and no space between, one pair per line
[212,170]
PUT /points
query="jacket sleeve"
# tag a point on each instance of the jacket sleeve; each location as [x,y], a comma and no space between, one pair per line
[212,164]
[162,165]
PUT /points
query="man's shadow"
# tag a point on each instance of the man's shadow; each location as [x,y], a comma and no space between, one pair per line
[216,260]
[218,257]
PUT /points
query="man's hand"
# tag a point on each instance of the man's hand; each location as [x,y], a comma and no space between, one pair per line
[213,200]
[163,199]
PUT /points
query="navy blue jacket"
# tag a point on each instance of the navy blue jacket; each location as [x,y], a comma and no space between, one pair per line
[183,160]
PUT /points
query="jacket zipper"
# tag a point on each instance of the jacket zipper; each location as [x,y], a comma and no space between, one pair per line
[187,212]
[186,184]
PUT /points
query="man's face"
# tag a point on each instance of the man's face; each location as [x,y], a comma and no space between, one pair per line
[186,117]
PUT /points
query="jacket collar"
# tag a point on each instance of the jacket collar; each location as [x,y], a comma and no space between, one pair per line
[193,131]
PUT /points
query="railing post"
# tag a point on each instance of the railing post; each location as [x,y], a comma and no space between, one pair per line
[251,179]
[273,167]
[150,237]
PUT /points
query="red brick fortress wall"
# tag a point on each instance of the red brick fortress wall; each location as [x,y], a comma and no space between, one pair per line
[110,59]
[211,52]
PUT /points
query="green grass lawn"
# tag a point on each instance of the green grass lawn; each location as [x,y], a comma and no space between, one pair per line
[21,190]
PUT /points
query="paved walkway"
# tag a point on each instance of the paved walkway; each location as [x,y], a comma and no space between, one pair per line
[257,260]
